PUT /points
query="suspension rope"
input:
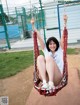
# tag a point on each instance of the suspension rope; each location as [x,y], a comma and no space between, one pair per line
[65,14]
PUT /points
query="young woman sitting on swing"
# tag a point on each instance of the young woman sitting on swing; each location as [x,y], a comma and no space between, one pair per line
[50,65]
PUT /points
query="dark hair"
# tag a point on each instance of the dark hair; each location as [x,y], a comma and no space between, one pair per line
[54,40]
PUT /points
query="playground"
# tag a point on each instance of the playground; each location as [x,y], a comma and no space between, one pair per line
[19,87]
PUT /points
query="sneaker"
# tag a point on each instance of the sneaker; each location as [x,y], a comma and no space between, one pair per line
[51,88]
[44,86]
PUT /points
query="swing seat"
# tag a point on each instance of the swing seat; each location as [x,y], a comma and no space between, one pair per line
[63,83]
[37,81]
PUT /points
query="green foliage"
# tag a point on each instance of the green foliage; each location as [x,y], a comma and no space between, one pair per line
[5,17]
[39,17]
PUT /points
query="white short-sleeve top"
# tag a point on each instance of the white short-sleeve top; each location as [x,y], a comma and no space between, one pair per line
[57,56]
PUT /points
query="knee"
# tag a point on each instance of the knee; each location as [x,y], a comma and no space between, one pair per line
[49,59]
[40,58]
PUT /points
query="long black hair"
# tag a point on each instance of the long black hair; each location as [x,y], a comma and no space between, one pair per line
[54,40]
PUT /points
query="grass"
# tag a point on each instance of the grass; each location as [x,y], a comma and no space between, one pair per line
[12,63]
[71,51]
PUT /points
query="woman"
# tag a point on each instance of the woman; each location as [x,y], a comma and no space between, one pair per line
[50,65]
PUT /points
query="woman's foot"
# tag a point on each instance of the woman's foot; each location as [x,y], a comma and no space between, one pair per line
[51,86]
[44,85]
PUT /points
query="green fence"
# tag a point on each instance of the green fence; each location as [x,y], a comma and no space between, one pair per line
[48,17]
[3,20]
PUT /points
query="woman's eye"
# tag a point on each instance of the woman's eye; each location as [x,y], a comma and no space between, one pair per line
[51,43]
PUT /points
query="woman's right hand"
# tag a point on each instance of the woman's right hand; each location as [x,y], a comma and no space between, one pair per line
[33,26]
[32,21]
[38,35]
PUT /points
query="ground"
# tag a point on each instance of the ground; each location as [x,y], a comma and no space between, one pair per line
[18,87]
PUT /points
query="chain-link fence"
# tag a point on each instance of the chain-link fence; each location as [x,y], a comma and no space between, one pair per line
[48,16]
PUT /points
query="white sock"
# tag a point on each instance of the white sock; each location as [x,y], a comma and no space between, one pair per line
[51,83]
[44,81]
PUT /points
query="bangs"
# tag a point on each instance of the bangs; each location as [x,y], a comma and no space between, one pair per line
[54,40]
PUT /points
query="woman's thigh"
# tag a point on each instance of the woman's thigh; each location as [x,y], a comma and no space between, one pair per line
[57,75]
[41,59]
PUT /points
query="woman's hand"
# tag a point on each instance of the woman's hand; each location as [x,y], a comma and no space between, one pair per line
[33,26]
[65,19]
[38,34]
[32,21]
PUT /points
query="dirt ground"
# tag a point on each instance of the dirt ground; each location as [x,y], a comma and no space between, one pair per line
[18,87]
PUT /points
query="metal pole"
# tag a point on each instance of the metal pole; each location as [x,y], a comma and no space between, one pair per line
[5,28]
[7,9]
[25,18]
[42,20]
[59,20]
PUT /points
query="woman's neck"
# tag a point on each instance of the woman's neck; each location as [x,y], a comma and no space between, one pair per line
[53,52]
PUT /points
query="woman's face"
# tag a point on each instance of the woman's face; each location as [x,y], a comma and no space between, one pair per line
[52,46]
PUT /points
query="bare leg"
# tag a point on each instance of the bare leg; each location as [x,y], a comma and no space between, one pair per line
[41,66]
[53,71]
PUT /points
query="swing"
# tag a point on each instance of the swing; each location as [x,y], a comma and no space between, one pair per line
[36,79]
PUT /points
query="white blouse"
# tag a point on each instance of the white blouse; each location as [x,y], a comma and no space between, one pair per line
[57,56]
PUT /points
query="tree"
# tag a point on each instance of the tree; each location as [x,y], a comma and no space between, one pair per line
[6,18]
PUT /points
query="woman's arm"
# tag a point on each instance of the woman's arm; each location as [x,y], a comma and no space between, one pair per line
[62,41]
[38,35]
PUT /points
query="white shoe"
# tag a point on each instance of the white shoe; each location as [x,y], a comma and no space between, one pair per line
[51,88]
[44,86]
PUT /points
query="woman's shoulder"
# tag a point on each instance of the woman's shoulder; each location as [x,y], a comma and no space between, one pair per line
[46,52]
[60,50]
[45,49]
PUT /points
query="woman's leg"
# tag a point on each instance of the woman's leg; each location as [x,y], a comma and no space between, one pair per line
[53,71]
[41,66]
